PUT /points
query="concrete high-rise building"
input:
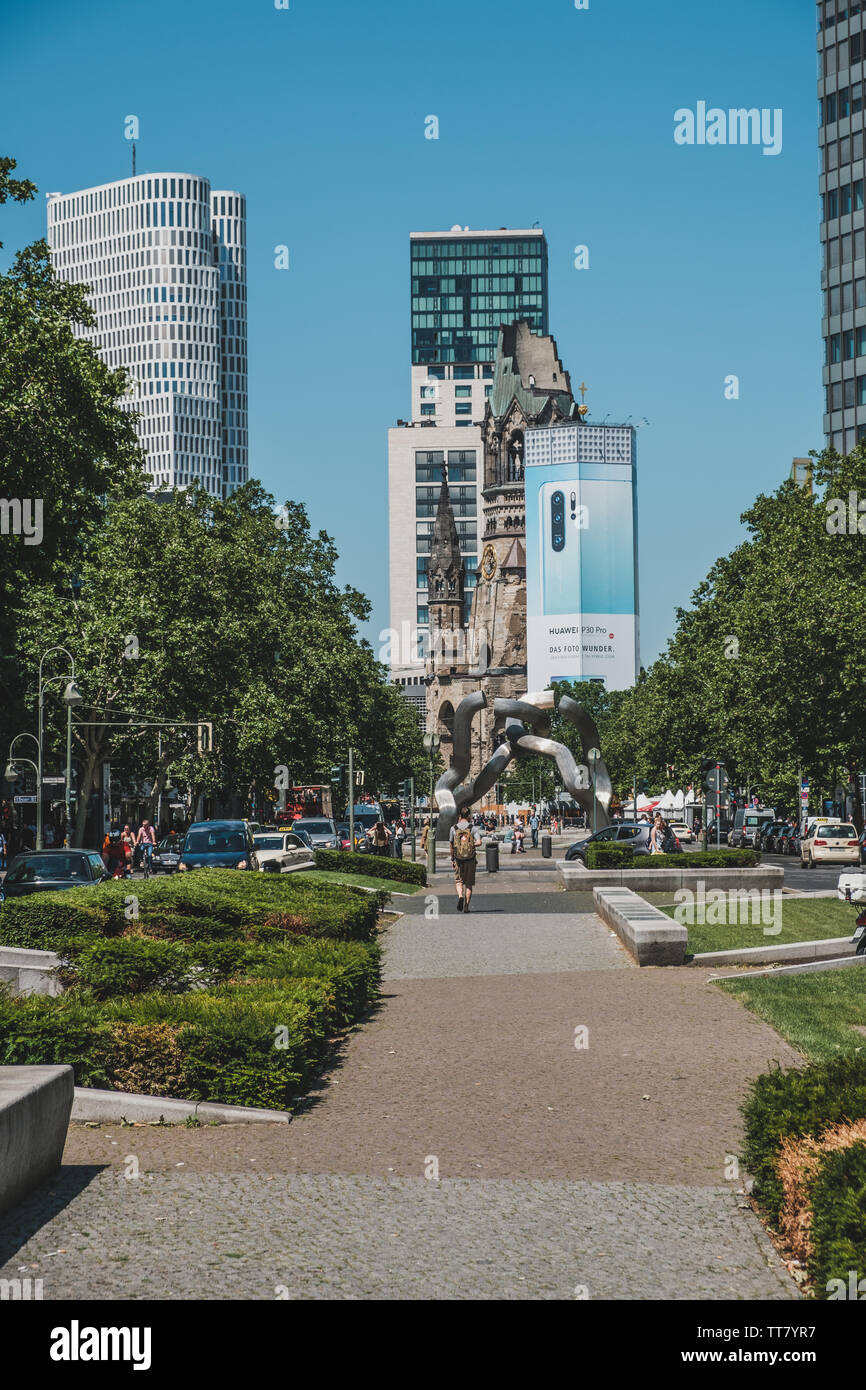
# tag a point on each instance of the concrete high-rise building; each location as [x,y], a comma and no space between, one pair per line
[164,259]
[464,285]
[841,186]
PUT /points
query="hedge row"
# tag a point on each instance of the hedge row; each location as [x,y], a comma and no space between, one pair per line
[219,986]
[808,1102]
[374,865]
[206,904]
[615,856]
[609,856]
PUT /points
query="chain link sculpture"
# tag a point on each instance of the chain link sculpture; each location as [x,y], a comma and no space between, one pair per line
[527,734]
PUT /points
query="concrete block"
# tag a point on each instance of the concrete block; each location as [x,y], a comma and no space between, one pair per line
[649,934]
[833,948]
[113,1106]
[29,972]
[574,876]
[35,1105]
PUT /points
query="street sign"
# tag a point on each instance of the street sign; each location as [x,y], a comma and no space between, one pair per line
[54,781]
[359,778]
[717,780]
[24,800]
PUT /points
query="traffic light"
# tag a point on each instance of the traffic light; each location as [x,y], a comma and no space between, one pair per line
[404,790]
[642,785]
[337,775]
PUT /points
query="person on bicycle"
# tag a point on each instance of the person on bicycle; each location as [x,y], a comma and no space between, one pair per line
[146,837]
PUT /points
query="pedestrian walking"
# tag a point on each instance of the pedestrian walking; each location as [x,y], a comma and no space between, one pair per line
[2,850]
[533,826]
[399,837]
[381,838]
[425,834]
[464,858]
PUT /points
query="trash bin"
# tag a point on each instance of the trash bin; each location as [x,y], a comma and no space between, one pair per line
[491,855]
[546,846]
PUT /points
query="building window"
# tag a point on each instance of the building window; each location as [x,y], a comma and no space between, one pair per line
[464,373]
[421,616]
[462,391]
[428,410]
[463,409]
[834,348]
[860,342]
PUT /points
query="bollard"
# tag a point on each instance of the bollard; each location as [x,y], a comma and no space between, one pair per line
[546,846]
[491,855]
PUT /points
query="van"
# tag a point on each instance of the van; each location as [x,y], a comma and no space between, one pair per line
[747,821]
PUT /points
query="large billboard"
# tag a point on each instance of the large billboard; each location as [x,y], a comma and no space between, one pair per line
[581,555]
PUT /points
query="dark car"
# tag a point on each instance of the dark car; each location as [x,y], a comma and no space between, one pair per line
[343,832]
[218,844]
[166,856]
[49,870]
[767,836]
[787,841]
[724,829]
[634,833]
[322,832]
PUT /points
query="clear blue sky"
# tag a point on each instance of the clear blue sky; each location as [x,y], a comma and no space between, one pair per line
[704,261]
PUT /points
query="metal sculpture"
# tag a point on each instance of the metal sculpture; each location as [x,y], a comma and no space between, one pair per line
[527,730]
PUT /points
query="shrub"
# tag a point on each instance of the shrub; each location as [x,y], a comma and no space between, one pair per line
[701,859]
[609,856]
[838,1198]
[373,865]
[126,965]
[794,1103]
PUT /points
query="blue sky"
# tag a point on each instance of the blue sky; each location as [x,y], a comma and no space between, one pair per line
[704,261]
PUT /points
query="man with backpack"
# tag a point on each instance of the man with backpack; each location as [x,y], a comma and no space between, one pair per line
[464,857]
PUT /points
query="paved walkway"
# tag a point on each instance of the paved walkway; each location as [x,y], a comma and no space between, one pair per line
[464,1147]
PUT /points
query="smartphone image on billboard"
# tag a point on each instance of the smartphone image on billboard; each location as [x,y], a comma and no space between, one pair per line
[559,552]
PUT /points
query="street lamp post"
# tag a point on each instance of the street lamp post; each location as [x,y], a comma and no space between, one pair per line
[11,771]
[71,696]
[593,757]
[431,746]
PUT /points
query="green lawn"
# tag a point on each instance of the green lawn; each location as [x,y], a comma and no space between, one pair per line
[390,885]
[802,919]
[816,1013]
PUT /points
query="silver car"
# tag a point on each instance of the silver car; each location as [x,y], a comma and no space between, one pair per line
[322,832]
[282,852]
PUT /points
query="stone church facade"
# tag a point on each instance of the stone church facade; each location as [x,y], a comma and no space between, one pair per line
[530,388]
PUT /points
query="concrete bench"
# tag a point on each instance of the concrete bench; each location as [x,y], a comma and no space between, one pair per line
[35,1105]
[29,972]
[574,876]
[649,934]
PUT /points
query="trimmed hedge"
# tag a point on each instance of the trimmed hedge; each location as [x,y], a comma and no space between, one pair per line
[701,859]
[218,985]
[373,865]
[204,904]
[838,1200]
[797,1103]
[609,856]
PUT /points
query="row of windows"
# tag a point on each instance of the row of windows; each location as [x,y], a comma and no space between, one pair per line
[460,508]
[454,312]
[839,56]
[457,473]
[200,276]
[842,250]
[842,395]
[435,458]
[475,273]
[838,202]
[461,393]
[477,247]
[461,408]
[839,105]
[842,299]
[475,284]
[835,11]
[844,347]
[464,373]
[839,153]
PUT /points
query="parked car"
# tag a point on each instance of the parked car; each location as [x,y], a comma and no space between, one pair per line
[765,835]
[282,851]
[218,844]
[322,833]
[683,832]
[166,856]
[830,844]
[787,841]
[49,870]
[634,833]
[343,832]
[724,830]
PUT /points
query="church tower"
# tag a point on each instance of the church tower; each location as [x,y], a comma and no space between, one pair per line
[530,388]
[446,587]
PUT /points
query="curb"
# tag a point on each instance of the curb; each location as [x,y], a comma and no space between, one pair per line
[807,968]
[96,1105]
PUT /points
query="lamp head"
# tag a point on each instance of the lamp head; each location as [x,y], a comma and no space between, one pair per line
[72,695]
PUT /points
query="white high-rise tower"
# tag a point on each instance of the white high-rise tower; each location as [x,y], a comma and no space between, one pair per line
[164,259]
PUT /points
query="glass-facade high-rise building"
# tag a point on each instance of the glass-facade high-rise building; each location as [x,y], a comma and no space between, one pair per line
[841,51]
[463,285]
[164,259]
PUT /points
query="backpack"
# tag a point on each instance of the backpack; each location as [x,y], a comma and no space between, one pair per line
[464,843]
[669,844]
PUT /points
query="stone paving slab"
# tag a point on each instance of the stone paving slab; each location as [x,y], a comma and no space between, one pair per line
[262,1236]
[492,941]
[484,1074]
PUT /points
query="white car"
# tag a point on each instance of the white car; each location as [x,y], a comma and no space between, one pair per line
[282,852]
[830,844]
[683,832]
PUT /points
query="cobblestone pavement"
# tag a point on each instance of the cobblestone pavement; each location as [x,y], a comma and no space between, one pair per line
[561,1165]
[170,1236]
